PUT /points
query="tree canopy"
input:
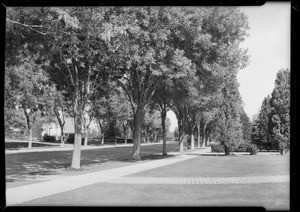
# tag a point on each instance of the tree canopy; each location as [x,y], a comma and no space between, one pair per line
[114,63]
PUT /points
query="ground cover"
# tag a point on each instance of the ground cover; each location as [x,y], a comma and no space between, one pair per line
[18,145]
[272,196]
[223,166]
[31,165]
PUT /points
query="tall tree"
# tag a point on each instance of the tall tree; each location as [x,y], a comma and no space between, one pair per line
[162,98]
[246,123]
[145,56]
[27,84]
[263,121]
[61,110]
[280,111]
[229,124]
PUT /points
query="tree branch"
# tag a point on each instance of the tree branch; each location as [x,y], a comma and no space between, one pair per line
[127,92]
[29,26]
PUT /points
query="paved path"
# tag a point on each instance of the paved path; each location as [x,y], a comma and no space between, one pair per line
[25,193]
[202,180]
[22,194]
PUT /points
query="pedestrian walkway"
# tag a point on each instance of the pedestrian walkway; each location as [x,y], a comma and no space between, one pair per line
[202,180]
[18,195]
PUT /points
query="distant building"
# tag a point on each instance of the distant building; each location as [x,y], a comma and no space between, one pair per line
[53,128]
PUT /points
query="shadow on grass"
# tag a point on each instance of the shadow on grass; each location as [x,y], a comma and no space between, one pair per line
[217,155]
[33,164]
[19,145]
[156,157]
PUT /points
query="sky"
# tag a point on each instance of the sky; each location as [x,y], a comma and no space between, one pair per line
[268,45]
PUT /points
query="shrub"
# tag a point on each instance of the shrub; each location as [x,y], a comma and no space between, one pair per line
[252,148]
[48,138]
[217,148]
[71,137]
[242,147]
[283,148]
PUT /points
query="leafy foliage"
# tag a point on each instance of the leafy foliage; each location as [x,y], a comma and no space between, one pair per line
[280,111]
[185,59]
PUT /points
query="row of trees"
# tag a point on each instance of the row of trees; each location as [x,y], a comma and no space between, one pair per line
[95,62]
[272,125]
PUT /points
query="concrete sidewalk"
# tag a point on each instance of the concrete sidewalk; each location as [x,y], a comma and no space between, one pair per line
[18,195]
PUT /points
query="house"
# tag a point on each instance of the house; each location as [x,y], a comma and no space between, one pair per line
[53,128]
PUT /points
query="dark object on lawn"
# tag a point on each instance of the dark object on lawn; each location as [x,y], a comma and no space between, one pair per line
[252,148]
[49,138]
[217,148]
[71,137]
[243,147]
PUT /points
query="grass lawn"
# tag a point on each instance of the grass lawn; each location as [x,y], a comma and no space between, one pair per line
[18,145]
[223,166]
[271,196]
[31,165]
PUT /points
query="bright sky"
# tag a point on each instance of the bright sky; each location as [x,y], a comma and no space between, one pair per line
[269,49]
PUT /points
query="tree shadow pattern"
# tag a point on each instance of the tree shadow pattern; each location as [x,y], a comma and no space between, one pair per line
[29,165]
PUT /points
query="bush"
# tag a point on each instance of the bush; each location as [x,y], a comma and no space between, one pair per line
[242,147]
[252,148]
[217,148]
[48,138]
[283,148]
[71,137]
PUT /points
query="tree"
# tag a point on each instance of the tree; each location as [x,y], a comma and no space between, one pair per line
[280,111]
[79,60]
[176,134]
[246,123]
[263,121]
[179,105]
[229,125]
[27,91]
[152,124]
[60,109]
[145,56]
[162,99]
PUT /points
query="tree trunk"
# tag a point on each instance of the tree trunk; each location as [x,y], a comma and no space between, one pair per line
[30,138]
[86,139]
[198,136]
[181,140]
[206,139]
[125,141]
[192,141]
[77,140]
[180,133]
[144,137]
[227,151]
[61,122]
[102,139]
[203,135]
[137,133]
[163,125]
[62,141]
